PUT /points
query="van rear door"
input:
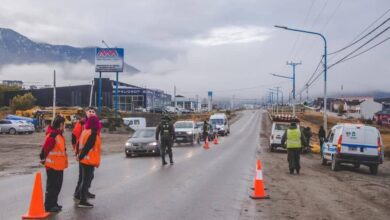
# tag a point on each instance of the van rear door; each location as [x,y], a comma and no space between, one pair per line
[359,140]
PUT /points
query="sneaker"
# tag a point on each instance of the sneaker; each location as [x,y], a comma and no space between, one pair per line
[59,206]
[85,205]
[54,209]
[164,163]
[171,162]
[90,195]
[76,197]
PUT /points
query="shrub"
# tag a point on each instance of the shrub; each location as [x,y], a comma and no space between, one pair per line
[23,102]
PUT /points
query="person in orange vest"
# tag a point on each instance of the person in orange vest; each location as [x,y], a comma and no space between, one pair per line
[55,159]
[89,157]
[89,111]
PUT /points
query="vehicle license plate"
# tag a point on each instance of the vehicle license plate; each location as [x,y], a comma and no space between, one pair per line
[352,148]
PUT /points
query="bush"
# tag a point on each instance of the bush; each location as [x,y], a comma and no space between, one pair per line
[23,102]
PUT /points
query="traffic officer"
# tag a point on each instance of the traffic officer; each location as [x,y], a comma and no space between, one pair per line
[206,129]
[166,131]
[321,136]
[55,159]
[89,157]
[295,140]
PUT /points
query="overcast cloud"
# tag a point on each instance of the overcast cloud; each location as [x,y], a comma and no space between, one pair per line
[226,46]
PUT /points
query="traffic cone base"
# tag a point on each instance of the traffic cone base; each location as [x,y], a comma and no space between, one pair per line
[216,139]
[206,144]
[37,210]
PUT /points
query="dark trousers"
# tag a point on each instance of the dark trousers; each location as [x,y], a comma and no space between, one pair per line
[166,147]
[86,179]
[77,191]
[53,187]
[205,136]
[321,143]
[293,157]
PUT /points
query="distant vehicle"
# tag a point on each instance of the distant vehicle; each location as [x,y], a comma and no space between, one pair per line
[14,127]
[355,144]
[143,141]
[277,131]
[171,109]
[221,123]
[135,123]
[30,126]
[140,109]
[185,132]
[156,110]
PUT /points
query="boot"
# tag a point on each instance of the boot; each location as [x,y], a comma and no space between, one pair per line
[171,160]
[297,171]
[291,171]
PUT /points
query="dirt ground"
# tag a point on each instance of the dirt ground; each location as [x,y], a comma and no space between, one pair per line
[19,154]
[318,192]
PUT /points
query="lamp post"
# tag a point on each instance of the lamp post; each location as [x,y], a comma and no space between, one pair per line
[325,67]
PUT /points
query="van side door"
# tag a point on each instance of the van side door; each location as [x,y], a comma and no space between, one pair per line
[328,148]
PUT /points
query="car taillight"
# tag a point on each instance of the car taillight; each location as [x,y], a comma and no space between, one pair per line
[339,143]
[379,146]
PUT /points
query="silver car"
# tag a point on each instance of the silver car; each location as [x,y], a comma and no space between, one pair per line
[14,127]
[143,141]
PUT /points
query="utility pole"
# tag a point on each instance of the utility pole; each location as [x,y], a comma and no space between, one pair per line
[91,94]
[293,64]
[307,93]
[174,97]
[54,95]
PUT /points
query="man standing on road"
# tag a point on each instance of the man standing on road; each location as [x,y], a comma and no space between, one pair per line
[206,128]
[295,139]
[321,136]
[166,131]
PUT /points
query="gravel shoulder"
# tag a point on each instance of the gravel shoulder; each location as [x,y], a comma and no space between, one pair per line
[318,192]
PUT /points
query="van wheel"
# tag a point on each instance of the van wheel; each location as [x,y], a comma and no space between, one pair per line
[374,169]
[324,161]
[335,165]
[356,166]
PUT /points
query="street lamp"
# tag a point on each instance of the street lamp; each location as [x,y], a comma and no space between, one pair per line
[325,66]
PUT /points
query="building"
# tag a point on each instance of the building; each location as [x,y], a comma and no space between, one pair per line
[368,108]
[186,103]
[16,83]
[130,97]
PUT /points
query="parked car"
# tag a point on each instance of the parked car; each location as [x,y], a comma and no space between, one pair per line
[30,126]
[277,131]
[140,109]
[14,127]
[221,123]
[171,109]
[143,141]
[135,123]
[355,144]
[185,132]
[157,110]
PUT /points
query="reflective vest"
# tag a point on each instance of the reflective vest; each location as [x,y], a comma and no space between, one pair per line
[93,156]
[57,158]
[294,138]
[78,128]
[165,131]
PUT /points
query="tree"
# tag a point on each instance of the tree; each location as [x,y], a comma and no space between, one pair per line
[23,102]
[5,88]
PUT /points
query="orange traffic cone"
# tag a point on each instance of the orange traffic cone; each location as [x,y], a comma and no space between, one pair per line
[259,192]
[216,139]
[258,166]
[37,210]
[206,144]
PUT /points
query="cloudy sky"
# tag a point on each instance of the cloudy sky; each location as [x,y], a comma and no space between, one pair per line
[229,47]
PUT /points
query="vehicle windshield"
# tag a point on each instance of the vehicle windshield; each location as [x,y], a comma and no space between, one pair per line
[281,127]
[218,121]
[183,125]
[144,133]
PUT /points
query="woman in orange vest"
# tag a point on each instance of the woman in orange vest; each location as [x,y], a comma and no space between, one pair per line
[89,157]
[55,159]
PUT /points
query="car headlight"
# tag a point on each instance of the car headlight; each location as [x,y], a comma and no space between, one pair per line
[189,132]
[153,144]
[129,144]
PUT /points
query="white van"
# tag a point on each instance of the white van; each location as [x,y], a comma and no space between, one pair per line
[354,144]
[277,132]
[221,123]
[135,123]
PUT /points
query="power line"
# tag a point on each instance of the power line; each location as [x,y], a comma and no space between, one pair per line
[332,15]
[360,39]
[380,17]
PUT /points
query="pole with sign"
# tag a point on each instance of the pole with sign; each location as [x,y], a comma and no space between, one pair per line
[109,60]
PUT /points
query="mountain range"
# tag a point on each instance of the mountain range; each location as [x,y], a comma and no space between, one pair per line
[18,49]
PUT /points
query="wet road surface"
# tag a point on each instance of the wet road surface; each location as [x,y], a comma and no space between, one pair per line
[203,184]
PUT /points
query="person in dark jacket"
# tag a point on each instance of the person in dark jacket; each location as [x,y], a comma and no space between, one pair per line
[54,157]
[206,129]
[321,137]
[166,131]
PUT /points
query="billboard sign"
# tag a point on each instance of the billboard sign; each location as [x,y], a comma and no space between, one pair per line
[109,59]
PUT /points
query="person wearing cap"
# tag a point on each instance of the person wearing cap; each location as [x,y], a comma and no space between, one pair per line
[294,140]
[166,131]
[54,157]
[89,157]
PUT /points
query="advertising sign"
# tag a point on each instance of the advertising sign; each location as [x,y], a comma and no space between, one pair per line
[109,59]
[210,94]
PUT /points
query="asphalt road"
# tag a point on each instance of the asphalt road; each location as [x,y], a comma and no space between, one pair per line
[203,184]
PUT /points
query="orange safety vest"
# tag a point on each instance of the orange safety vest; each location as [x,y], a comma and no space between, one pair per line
[93,156]
[57,158]
[78,128]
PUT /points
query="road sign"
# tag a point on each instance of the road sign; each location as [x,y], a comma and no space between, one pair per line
[109,59]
